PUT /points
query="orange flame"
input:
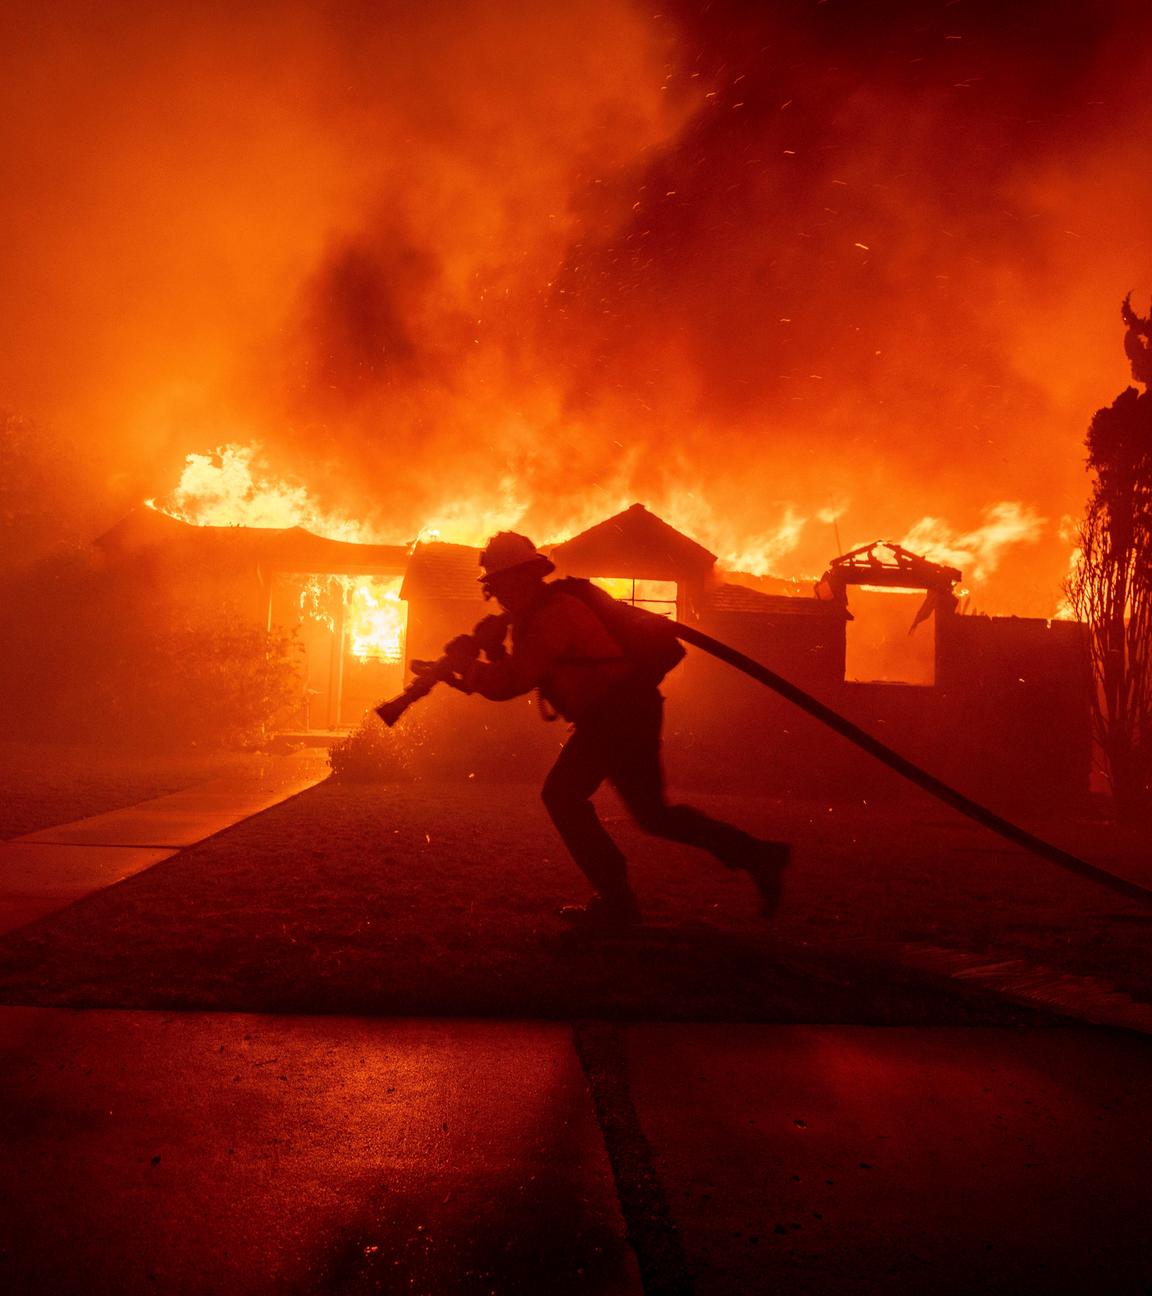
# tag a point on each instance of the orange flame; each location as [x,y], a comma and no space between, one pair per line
[234,487]
[977,553]
[376,618]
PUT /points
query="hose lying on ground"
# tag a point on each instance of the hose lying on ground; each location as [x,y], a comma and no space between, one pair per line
[429,674]
[904,767]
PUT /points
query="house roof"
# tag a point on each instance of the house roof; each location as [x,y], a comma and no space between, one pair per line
[295,549]
[147,528]
[891,565]
[728,598]
[637,544]
[273,548]
[443,571]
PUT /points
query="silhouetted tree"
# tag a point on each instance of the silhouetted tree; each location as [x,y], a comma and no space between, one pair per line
[46,490]
[1111,587]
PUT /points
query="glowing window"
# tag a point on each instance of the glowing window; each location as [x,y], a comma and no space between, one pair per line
[655,596]
[375,618]
[881,646]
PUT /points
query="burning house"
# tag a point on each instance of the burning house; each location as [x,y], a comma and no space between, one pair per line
[763,275]
[342,598]
[999,705]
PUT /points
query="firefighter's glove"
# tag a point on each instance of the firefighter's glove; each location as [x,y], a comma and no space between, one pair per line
[461,653]
[489,636]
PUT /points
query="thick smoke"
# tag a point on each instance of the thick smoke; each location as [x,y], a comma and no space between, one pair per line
[798,276]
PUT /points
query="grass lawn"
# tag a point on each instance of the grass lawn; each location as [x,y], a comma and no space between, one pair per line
[46,784]
[420,898]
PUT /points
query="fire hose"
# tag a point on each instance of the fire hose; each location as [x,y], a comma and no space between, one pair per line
[429,674]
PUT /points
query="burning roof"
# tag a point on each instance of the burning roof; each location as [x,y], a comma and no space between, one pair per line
[273,548]
[883,563]
[731,598]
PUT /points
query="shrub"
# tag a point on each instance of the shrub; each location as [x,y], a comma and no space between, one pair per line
[373,753]
[450,738]
[234,683]
[98,654]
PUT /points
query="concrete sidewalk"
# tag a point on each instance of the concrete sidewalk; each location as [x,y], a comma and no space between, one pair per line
[244,1154]
[47,870]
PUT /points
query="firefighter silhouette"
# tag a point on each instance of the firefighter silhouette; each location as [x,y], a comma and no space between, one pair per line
[564,650]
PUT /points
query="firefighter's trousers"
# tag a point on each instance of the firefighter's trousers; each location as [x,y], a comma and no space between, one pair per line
[619,740]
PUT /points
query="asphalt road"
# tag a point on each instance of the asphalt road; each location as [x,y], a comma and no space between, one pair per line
[228,1153]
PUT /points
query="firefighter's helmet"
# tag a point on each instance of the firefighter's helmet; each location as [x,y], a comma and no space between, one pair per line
[507,551]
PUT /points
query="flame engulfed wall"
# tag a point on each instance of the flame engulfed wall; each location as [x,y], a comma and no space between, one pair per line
[365,611]
[796,276]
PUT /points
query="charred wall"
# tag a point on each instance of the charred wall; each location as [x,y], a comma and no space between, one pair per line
[1008,721]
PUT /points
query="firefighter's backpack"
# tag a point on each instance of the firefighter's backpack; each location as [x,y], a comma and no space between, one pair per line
[648,640]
